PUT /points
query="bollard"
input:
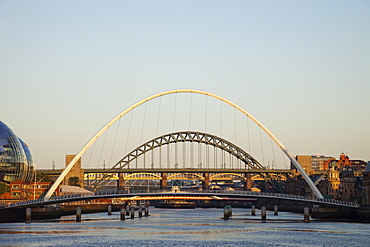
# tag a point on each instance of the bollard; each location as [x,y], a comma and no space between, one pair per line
[109,209]
[78,214]
[140,211]
[132,212]
[123,212]
[306,212]
[146,210]
[230,211]
[263,214]
[127,210]
[28,215]
[253,210]
[275,210]
[226,213]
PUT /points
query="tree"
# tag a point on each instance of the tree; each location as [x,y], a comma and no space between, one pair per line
[74,181]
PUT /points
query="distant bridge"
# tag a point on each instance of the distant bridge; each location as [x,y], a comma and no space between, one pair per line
[159,195]
[57,172]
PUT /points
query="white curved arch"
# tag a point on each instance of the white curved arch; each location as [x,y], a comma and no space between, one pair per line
[102,130]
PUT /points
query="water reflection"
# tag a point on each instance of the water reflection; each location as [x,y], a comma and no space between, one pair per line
[185,227]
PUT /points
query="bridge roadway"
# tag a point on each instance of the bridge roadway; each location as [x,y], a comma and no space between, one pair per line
[170,170]
[159,194]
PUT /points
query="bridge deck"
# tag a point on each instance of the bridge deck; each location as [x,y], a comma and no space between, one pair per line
[214,193]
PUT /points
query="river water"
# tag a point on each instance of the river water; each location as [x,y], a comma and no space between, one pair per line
[186,227]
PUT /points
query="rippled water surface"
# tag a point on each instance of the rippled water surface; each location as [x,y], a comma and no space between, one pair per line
[186,227]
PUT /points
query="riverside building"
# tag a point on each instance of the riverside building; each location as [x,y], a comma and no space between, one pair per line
[15,157]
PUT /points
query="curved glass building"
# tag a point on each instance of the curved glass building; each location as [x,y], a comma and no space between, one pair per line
[15,157]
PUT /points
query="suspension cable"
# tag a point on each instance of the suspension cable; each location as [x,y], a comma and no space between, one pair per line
[173,129]
[235,125]
[273,152]
[191,104]
[143,125]
[168,155]
[91,154]
[159,113]
[205,115]
[263,156]
[101,152]
[129,130]
[221,118]
[114,143]
[199,156]
[249,137]
[184,155]
[174,114]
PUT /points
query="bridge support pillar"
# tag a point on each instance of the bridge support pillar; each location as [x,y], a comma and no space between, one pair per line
[132,212]
[140,211]
[127,209]
[28,215]
[226,212]
[164,181]
[146,210]
[109,209]
[253,210]
[205,184]
[123,212]
[306,212]
[275,210]
[263,214]
[78,214]
[120,182]
[248,182]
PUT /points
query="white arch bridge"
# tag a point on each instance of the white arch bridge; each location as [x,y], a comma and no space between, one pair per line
[250,161]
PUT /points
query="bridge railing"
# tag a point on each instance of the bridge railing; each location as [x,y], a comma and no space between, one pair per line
[96,195]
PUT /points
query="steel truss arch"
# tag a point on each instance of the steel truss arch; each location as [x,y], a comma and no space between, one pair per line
[315,190]
[142,176]
[185,176]
[190,136]
[224,176]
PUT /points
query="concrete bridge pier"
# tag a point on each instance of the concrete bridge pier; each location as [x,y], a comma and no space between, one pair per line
[253,210]
[146,210]
[276,210]
[78,214]
[263,214]
[164,181]
[28,215]
[120,182]
[123,212]
[109,209]
[205,184]
[132,212]
[140,211]
[248,182]
[127,210]
[226,213]
[306,212]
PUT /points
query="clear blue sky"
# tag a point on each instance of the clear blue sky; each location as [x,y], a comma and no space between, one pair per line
[301,67]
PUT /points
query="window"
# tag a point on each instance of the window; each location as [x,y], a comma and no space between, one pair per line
[16,194]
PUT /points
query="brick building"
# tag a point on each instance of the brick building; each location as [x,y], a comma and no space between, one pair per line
[23,191]
[366,185]
[76,171]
